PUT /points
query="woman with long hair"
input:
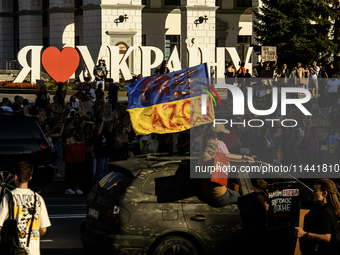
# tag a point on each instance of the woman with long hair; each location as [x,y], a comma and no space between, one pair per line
[164,67]
[326,193]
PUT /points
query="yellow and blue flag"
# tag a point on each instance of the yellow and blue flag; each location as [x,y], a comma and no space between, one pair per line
[169,103]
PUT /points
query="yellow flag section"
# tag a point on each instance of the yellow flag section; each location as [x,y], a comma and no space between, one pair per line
[171,117]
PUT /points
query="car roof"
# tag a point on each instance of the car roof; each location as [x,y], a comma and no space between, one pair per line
[136,164]
[17,115]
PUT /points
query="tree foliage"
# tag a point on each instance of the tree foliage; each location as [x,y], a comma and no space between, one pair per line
[299,29]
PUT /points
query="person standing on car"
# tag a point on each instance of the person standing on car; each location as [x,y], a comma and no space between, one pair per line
[326,193]
[100,72]
[24,200]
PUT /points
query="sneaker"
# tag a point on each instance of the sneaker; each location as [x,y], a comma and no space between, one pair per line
[78,192]
[69,192]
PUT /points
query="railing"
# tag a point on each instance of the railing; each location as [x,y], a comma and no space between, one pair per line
[12,65]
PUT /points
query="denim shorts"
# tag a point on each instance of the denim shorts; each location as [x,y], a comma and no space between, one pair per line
[229,197]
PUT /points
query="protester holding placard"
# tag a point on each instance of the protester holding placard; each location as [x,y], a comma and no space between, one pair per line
[326,193]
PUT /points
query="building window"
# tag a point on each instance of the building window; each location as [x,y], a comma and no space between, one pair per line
[243,43]
[170,42]
[172,2]
[243,3]
[45,16]
[78,3]
[123,47]
[143,39]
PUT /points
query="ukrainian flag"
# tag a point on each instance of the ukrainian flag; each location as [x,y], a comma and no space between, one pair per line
[169,103]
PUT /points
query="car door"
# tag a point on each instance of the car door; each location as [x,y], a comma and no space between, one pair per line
[220,227]
[217,226]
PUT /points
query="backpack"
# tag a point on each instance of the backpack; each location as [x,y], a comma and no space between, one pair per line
[9,232]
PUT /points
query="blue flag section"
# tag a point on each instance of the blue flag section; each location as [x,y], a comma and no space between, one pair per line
[163,88]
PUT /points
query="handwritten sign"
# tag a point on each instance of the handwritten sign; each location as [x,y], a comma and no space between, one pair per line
[66,112]
[86,107]
[107,112]
[169,103]
[284,198]
[82,96]
[319,117]
[268,53]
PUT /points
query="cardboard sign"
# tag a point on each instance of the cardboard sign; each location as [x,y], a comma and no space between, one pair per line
[66,112]
[283,199]
[303,213]
[86,107]
[107,112]
[220,175]
[81,96]
[40,83]
[319,117]
[268,53]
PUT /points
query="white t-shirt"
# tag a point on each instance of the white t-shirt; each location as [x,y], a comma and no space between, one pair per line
[93,95]
[314,75]
[7,108]
[333,85]
[23,200]
[75,104]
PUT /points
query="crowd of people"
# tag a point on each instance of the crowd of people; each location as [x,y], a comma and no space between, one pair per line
[83,141]
[114,139]
[313,142]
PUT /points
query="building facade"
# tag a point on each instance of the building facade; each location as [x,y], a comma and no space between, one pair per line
[164,24]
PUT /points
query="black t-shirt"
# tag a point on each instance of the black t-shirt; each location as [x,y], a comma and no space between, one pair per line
[325,224]
[113,93]
[100,145]
[99,70]
[99,95]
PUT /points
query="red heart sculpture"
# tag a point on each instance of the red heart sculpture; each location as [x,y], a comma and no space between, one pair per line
[60,65]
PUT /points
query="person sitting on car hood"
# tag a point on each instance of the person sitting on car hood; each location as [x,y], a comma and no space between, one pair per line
[215,194]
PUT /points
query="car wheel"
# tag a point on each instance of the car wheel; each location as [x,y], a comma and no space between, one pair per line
[6,182]
[175,245]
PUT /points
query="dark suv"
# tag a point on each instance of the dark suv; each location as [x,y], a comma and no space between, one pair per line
[21,138]
[149,205]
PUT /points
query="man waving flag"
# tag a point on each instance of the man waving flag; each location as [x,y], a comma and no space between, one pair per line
[169,103]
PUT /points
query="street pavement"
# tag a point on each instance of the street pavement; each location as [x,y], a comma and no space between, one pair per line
[66,213]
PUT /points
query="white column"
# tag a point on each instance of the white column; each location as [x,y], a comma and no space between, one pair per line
[30,23]
[100,28]
[203,33]
[62,27]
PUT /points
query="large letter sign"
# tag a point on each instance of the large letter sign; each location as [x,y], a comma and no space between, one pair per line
[60,64]
[35,63]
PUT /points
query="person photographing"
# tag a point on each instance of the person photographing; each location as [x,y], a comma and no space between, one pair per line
[100,73]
